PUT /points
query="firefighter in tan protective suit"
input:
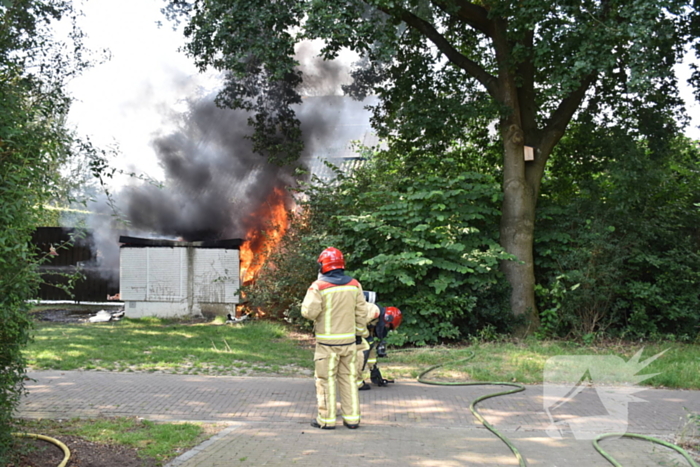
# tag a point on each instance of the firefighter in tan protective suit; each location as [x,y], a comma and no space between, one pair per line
[380,321]
[337,306]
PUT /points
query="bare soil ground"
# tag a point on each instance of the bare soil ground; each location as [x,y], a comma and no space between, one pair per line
[71,314]
[40,453]
[31,452]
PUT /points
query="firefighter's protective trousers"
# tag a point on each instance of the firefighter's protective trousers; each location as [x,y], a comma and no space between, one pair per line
[366,360]
[335,372]
[367,354]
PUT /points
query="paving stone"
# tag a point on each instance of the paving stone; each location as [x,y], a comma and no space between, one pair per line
[405,424]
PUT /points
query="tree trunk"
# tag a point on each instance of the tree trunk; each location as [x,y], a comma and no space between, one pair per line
[518,229]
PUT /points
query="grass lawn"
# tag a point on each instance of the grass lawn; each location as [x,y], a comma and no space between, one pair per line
[265,348]
[524,362]
[171,346]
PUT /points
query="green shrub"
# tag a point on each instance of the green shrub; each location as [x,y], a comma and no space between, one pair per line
[33,143]
[427,244]
[619,251]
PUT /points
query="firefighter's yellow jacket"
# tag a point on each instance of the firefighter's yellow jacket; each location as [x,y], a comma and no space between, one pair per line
[372,316]
[339,312]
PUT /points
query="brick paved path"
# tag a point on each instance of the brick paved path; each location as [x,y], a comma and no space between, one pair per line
[423,425]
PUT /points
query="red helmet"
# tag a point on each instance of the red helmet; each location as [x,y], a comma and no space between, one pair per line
[392,317]
[330,259]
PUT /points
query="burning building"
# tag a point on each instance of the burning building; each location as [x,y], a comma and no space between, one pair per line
[215,187]
[167,278]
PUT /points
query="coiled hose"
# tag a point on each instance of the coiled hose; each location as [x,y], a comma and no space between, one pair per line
[64,448]
[519,388]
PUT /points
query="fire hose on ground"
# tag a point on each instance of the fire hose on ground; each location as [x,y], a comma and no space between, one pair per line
[519,388]
[63,447]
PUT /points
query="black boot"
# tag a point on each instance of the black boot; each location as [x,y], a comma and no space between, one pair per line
[315,424]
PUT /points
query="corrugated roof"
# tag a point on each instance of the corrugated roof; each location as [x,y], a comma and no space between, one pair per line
[346,158]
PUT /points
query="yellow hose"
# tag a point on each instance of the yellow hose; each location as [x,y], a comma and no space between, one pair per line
[64,448]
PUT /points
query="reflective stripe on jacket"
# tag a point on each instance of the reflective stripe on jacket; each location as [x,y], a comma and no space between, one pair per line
[339,312]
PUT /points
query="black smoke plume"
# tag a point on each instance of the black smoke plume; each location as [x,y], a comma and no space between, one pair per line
[214,180]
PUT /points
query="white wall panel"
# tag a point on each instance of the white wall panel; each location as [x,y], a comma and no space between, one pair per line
[216,278]
[167,274]
[133,271]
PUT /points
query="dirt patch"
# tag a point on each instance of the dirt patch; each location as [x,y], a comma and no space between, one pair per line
[305,340]
[80,314]
[64,315]
[84,453]
[40,453]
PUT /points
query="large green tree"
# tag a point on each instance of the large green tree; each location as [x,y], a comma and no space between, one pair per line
[442,67]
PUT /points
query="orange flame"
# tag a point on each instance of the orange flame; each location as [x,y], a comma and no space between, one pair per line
[259,243]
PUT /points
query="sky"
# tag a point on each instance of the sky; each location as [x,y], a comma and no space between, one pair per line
[136,96]
[131,98]
[141,91]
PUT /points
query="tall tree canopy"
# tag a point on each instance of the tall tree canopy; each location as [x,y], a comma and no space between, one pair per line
[444,67]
